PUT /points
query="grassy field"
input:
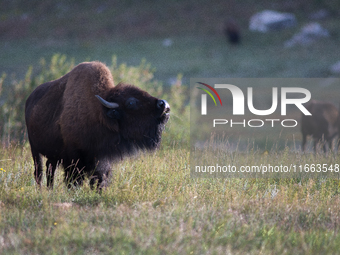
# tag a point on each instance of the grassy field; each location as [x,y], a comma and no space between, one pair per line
[153,205]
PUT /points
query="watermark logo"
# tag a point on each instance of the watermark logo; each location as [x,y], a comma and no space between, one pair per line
[204,97]
[239,99]
[295,96]
[239,126]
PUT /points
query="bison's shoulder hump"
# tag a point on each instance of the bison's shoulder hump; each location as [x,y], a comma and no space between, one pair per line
[92,68]
[94,76]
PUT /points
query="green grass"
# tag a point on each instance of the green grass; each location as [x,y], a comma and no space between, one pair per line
[152,206]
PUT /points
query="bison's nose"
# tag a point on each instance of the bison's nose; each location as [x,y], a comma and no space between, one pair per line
[164,106]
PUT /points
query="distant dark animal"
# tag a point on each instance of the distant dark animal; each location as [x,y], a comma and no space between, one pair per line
[84,122]
[232,31]
[322,125]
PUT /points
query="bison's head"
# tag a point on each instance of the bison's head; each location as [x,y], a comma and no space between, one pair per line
[135,115]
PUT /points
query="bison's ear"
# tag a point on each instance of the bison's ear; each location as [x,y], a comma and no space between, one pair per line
[110,105]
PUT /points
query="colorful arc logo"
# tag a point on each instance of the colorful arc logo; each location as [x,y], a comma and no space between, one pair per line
[208,92]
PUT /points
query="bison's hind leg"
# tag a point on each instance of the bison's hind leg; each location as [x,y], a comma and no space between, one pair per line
[38,168]
[51,166]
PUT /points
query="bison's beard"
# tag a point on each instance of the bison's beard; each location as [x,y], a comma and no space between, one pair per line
[148,140]
[153,136]
[152,140]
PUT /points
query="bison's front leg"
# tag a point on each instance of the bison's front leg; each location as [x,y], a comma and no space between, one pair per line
[100,175]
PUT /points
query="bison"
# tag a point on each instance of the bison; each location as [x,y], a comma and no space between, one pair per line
[322,125]
[84,122]
[232,31]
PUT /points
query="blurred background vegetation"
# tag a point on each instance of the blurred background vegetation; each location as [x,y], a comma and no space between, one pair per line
[157,45]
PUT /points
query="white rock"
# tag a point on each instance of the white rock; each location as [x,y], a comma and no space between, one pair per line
[268,20]
[167,42]
[307,35]
[335,68]
[314,30]
[298,39]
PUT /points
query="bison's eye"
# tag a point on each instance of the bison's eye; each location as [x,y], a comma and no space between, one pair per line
[131,103]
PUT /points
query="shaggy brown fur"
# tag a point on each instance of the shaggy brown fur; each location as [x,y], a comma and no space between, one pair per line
[70,126]
[322,125]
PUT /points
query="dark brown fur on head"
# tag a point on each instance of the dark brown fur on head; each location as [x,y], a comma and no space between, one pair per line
[69,124]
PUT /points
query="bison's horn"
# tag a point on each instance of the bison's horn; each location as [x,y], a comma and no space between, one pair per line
[106,103]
